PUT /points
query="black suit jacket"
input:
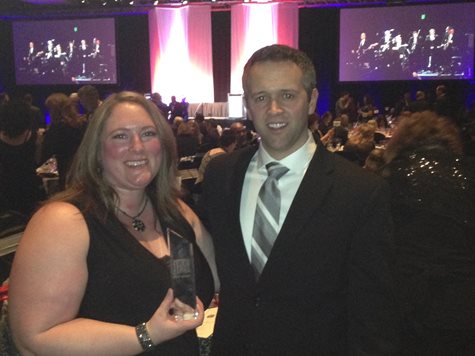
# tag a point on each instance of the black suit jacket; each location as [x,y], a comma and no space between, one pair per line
[325,289]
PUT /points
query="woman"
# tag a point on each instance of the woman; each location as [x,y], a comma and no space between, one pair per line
[92,266]
[187,142]
[63,136]
[433,206]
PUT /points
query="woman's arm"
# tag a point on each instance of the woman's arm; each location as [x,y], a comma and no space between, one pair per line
[47,284]
[203,239]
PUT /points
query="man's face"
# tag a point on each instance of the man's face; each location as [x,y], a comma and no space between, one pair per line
[279,106]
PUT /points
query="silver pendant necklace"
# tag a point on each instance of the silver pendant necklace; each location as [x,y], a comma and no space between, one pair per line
[137,224]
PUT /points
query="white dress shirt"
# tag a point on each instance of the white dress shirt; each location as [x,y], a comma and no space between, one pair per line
[256,174]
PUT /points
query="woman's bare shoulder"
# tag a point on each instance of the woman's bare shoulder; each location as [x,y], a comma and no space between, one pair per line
[54,222]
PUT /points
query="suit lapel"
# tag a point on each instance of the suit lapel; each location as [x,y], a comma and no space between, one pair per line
[309,197]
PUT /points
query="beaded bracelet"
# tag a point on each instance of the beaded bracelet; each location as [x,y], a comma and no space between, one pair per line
[144,337]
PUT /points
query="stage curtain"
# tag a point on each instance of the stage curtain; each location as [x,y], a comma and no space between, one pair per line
[257,25]
[181,61]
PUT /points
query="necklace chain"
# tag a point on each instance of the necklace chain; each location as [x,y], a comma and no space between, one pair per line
[137,224]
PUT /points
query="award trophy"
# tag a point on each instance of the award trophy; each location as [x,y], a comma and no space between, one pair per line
[182,272]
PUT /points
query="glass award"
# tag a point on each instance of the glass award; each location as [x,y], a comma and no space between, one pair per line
[182,273]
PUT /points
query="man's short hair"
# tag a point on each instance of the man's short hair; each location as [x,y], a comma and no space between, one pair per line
[88,91]
[283,53]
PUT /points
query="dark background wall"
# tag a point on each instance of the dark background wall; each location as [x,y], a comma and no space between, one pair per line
[318,37]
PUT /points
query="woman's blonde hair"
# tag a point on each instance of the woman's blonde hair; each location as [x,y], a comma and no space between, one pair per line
[85,183]
[363,134]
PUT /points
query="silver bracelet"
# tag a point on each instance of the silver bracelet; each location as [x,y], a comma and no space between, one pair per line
[144,337]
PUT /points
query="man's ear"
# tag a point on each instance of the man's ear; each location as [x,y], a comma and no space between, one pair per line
[312,105]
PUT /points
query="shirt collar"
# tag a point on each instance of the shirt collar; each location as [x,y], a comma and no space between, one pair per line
[293,161]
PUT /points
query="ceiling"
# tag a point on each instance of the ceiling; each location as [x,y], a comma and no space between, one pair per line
[35,8]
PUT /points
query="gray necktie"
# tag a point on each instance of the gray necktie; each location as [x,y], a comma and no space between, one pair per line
[266,220]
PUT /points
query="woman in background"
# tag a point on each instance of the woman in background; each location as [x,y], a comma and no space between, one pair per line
[63,136]
[433,206]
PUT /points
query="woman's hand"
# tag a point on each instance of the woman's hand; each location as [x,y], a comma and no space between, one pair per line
[164,326]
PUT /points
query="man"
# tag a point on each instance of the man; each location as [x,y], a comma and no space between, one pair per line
[325,288]
[176,108]
[420,104]
[362,45]
[345,105]
[89,98]
[445,105]
[37,114]
[241,133]
[157,100]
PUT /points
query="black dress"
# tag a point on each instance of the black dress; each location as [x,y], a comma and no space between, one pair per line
[127,283]
[20,187]
[433,205]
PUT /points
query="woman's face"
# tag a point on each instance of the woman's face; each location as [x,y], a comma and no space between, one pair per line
[131,149]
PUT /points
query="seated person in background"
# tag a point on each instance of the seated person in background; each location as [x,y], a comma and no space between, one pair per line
[4,98]
[375,160]
[326,122]
[341,129]
[433,207]
[211,134]
[177,121]
[91,275]
[196,131]
[402,104]
[379,137]
[314,123]
[200,120]
[227,144]
[337,136]
[20,187]
[63,136]
[366,111]
[420,104]
[382,122]
[345,105]
[241,133]
[360,144]
[187,144]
